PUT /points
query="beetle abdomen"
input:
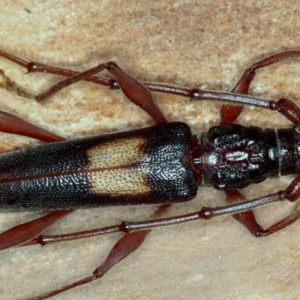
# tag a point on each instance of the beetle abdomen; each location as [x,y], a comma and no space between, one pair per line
[134,167]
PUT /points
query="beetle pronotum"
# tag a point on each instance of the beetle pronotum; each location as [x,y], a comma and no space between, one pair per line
[160,164]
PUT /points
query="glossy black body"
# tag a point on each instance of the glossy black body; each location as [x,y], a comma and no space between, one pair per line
[166,164]
[57,175]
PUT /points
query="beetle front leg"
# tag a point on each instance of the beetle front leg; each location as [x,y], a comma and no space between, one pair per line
[243,84]
[284,106]
[292,193]
[248,219]
[229,113]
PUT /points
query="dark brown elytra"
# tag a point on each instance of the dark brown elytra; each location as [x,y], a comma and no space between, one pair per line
[30,233]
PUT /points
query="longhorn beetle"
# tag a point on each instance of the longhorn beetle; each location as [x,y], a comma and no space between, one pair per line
[161,164]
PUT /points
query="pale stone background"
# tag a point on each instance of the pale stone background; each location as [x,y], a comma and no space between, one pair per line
[188,43]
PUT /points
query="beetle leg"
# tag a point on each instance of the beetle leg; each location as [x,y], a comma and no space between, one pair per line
[33,67]
[229,113]
[22,233]
[135,91]
[12,124]
[292,193]
[284,106]
[246,218]
[123,247]
[243,84]
[27,231]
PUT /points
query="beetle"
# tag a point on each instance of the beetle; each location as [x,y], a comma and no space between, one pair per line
[160,164]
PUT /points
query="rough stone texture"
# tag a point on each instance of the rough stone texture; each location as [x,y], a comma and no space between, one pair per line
[203,44]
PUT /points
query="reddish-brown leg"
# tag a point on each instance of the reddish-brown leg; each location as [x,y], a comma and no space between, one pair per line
[27,231]
[124,246]
[135,91]
[283,106]
[132,88]
[292,193]
[246,218]
[229,113]
[13,124]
